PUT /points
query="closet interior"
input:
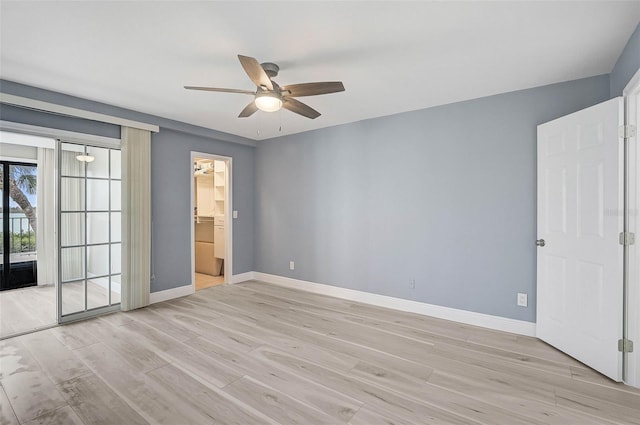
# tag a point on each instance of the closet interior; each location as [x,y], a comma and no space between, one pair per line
[209,221]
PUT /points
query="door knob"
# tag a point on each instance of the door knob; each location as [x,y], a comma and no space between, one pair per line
[540,242]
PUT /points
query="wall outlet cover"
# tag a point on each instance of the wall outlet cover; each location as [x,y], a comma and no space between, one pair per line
[522,300]
[292,265]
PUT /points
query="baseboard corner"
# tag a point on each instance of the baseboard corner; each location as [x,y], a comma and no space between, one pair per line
[241,277]
[169,294]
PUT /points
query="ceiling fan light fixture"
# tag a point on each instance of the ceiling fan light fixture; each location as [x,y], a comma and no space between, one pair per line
[268,102]
[85,158]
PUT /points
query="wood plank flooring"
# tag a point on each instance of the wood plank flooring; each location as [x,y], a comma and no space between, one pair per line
[204,281]
[26,309]
[255,353]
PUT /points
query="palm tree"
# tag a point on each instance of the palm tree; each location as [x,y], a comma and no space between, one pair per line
[21,180]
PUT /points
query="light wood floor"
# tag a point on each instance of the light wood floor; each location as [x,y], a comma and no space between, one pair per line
[23,310]
[254,353]
[204,281]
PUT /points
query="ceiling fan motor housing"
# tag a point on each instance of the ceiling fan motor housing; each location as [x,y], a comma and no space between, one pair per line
[270,68]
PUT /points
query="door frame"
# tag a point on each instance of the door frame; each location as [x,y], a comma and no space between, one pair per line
[228,214]
[6,270]
[631,95]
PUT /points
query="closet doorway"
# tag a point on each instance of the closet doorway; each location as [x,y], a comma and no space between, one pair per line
[211,228]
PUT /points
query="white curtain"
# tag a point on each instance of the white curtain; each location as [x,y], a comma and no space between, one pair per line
[136,217]
[46,247]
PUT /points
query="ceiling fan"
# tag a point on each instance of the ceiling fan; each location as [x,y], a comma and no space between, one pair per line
[269,96]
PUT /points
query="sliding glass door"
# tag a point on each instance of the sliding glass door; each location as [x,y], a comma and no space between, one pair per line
[18,265]
[90,237]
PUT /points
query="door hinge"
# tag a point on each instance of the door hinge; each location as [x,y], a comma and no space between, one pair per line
[627,238]
[625,346]
[627,131]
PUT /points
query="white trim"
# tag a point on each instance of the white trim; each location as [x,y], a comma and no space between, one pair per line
[462,316]
[169,294]
[632,102]
[67,136]
[242,277]
[16,159]
[25,102]
[633,86]
[21,139]
[183,291]
[228,214]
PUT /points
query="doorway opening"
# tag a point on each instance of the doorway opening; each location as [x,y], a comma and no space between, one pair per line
[211,228]
[18,264]
[62,259]
[27,249]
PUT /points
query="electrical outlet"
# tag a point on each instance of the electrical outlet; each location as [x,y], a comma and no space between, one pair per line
[292,265]
[235,214]
[413,284]
[522,299]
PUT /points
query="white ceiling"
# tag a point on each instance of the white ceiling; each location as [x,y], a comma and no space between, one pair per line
[392,56]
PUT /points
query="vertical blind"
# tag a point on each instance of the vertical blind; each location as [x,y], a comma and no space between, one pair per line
[136,218]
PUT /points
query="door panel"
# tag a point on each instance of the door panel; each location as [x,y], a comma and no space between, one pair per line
[580,204]
[590,193]
[18,258]
[90,239]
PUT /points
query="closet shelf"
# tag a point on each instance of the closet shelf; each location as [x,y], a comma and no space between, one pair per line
[204,218]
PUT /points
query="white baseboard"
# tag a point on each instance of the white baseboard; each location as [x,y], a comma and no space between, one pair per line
[462,316]
[242,277]
[169,294]
[183,291]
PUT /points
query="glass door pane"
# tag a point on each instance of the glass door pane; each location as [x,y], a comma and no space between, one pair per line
[19,185]
[89,230]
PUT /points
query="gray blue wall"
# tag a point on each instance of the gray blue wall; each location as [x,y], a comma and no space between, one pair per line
[627,65]
[171,174]
[170,171]
[445,196]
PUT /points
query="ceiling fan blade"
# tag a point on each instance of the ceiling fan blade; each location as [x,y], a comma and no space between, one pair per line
[254,70]
[220,90]
[299,108]
[248,110]
[312,89]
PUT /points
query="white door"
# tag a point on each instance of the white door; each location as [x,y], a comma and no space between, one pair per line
[580,204]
